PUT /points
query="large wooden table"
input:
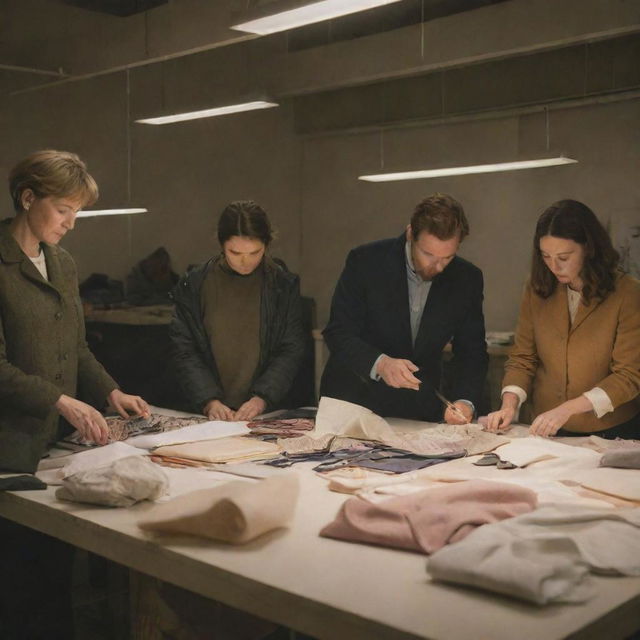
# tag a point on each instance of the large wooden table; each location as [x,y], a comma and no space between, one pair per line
[327,588]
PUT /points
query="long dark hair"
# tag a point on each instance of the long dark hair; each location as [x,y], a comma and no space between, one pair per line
[244,218]
[573,220]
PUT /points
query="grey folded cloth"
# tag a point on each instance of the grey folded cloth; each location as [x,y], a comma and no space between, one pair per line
[621,458]
[119,484]
[544,556]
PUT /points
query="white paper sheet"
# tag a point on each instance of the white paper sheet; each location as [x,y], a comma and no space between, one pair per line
[99,457]
[193,433]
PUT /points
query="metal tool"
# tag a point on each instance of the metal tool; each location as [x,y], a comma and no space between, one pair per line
[451,406]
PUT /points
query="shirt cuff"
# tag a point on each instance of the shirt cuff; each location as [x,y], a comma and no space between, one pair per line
[519,391]
[600,400]
[373,374]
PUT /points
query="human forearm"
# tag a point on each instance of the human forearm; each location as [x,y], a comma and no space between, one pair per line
[550,422]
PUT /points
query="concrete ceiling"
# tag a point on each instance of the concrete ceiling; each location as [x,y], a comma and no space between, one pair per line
[121,8]
[44,41]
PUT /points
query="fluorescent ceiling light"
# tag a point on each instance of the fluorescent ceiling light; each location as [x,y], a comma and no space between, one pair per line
[307,14]
[465,170]
[209,113]
[108,212]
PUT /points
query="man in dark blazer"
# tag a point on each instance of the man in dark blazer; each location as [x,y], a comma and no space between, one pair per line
[398,303]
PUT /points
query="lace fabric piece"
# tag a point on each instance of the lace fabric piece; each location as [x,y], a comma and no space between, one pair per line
[123,428]
[283,428]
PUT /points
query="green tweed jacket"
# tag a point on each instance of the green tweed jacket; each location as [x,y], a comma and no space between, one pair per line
[43,352]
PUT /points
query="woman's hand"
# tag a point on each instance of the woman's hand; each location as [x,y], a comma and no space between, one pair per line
[500,420]
[250,409]
[216,410]
[127,405]
[549,423]
[88,421]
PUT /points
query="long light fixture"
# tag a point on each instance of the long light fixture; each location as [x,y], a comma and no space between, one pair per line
[209,113]
[468,169]
[108,212]
[306,14]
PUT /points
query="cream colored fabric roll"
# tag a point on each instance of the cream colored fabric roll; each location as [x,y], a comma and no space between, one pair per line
[234,512]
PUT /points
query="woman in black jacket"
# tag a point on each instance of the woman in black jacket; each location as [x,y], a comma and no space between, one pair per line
[237,332]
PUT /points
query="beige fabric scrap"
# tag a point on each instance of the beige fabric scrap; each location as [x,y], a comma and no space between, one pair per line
[235,512]
[343,418]
[622,483]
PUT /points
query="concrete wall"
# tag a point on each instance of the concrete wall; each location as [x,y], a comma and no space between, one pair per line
[301,162]
[184,173]
[340,211]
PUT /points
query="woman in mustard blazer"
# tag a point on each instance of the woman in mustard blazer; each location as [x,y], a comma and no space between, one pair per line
[577,344]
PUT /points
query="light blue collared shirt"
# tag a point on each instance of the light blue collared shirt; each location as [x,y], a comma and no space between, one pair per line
[418,293]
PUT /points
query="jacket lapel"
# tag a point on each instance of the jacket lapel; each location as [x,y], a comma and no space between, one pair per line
[398,307]
[54,269]
[583,313]
[10,252]
[557,308]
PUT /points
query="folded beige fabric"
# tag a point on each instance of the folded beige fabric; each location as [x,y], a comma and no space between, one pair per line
[234,512]
[427,520]
[119,484]
[622,483]
[232,449]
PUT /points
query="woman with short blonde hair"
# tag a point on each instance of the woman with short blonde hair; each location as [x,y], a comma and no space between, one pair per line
[46,373]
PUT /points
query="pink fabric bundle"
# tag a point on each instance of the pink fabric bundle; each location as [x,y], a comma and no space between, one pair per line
[428,520]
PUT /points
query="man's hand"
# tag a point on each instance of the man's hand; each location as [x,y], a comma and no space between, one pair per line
[398,373]
[216,410]
[250,409]
[452,417]
[127,405]
[88,421]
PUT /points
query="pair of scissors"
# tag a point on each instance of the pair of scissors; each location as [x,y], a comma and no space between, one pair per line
[420,374]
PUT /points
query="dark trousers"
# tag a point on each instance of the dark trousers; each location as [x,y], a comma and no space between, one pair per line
[629,430]
[35,585]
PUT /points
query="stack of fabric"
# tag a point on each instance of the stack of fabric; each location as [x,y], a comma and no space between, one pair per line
[222,450]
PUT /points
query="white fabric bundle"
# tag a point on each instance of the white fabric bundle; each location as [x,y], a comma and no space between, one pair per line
[118,484]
